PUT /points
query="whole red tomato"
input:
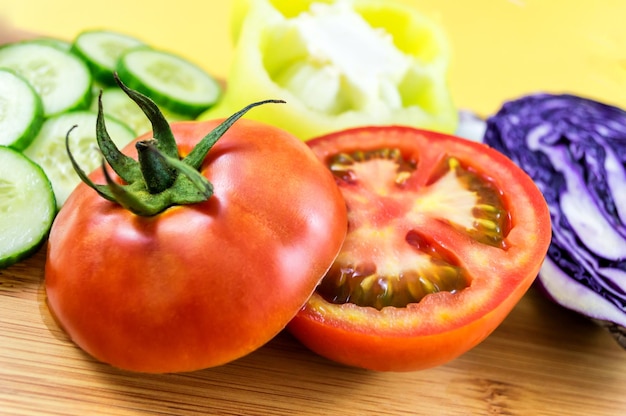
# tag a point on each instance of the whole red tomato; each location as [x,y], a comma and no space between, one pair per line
[197,285]
[444,238]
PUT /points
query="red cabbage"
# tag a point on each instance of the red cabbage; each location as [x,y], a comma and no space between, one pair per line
[574,149]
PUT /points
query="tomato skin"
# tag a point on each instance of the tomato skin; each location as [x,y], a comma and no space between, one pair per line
[198,285]
[443,325]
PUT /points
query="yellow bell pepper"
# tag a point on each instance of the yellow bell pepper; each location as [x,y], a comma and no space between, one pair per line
[338,64]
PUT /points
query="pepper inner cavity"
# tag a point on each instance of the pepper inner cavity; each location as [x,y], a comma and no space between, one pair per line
[334,61]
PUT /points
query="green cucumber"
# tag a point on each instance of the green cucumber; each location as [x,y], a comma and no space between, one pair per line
[101,49]
[57,43]
[21,110]
[61,78]
[119,105]
[27,206]
[48,148]
[171,81]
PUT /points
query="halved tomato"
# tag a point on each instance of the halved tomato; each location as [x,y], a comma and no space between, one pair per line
[444,237]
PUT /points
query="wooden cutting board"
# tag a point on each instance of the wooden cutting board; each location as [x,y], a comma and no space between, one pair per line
[543,360]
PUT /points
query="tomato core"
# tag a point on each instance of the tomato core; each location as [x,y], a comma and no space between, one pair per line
[385,206]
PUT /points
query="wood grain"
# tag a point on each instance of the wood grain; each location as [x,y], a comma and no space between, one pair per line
[543,360]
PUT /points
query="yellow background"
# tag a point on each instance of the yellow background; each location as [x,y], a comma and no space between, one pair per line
[501,48]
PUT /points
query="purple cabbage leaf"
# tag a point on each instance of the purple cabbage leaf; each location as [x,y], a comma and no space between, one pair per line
[574,149]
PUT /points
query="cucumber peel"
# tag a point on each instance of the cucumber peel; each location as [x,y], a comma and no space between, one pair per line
[101,49]
[27,206]
[174,83]
[21,110]
[61,78]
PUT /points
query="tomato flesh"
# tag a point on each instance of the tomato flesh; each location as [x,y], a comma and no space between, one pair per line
[368,285]
[465,199]
[443,235]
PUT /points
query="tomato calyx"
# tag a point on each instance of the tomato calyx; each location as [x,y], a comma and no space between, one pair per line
[159,178]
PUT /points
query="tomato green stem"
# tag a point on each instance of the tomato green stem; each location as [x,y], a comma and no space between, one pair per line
[160,127]
[158,179]
[125,166]
[157,173]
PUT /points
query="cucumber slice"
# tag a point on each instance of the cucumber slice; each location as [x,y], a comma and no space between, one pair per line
[101,49]
[61,78]
[21,111]
[119,105]
[48,148]
[57,43]
[27,206]
[169,80]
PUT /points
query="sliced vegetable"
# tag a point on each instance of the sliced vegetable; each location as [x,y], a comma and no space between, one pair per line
[101,49]
[27,206]
[171,81]
[444,237]
[48,148]
[574,148]
[57,43]
[61,78]
[230,226]
[21,111]
[339,64]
